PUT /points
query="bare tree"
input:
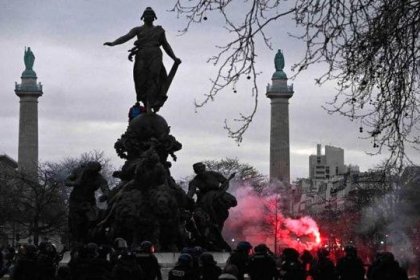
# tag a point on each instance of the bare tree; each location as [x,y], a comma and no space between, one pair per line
[245,173]
[63,168]
[34,203]
[236,59]
[38,205]
[371,49]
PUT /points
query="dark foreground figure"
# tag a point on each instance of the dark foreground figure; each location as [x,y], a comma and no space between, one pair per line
[350,267]
[118,262]
[262,265]
[323,268]
[386,268]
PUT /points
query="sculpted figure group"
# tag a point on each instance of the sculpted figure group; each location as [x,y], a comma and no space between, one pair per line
[148,204]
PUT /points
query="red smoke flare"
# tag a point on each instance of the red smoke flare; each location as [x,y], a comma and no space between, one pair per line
[258,219]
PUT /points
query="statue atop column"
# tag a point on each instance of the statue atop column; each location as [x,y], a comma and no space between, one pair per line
[279,61]
[150,78]
[29,59]
[279,64]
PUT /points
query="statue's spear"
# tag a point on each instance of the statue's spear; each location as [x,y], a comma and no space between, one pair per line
[171,76]
[225,185]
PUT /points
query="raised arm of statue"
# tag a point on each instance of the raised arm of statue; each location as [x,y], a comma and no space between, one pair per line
[130,35]
[29,59]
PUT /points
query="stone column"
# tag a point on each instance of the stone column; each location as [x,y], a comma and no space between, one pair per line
[279,93]
[28,92]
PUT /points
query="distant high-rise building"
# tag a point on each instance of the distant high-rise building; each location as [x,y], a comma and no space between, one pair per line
[328,165]
[28,91]
[279,93]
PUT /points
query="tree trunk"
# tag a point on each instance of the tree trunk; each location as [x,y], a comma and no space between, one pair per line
[36,231]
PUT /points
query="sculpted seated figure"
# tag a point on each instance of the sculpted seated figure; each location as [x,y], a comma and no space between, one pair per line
[204,181]
[211,207]
[83,212]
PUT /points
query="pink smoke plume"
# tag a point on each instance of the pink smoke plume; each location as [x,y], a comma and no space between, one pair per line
[257,220]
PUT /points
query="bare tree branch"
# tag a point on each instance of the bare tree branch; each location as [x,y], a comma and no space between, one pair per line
[236,59]
[371,49]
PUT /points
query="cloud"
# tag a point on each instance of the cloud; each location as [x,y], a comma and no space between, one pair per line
[88,87]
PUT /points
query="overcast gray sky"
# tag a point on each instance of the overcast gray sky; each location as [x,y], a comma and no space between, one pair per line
[88,87]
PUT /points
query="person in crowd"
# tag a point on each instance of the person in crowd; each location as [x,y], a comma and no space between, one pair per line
[323,268]
[291,268]
[2,266]
[385,267]
[126,267]
[47,260]
[26,264]
[208,267]
[183,270]
[261,265]
[306,259]
[64,273]
[104,252]
[9,261]
[148,261]
[86,265]
[230,272]
[120,247]
[240,258]
[195,253]
[350,267]
[135,110]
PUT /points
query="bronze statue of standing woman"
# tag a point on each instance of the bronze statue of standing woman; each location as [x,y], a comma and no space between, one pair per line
[150,78]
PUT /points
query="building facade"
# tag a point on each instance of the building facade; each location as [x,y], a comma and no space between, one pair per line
[328,165]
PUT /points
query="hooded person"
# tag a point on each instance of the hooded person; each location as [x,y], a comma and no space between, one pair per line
[208,267]
[291,268]
[350,267]
[385,267]
[183,269]
[323,268]
[26,265]
[240,258]
[230,272]
[261,265]
[147,260]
